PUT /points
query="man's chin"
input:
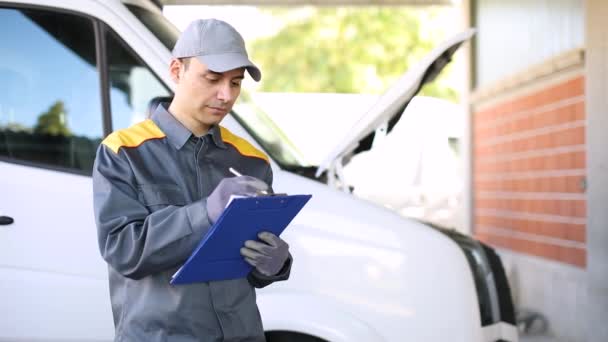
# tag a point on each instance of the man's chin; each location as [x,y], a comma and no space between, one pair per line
[214,119]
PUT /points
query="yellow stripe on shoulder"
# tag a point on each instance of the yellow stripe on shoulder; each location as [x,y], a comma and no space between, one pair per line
[242,145]
[133,136]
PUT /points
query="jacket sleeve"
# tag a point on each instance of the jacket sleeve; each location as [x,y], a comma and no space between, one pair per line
[133,241]
[259,280]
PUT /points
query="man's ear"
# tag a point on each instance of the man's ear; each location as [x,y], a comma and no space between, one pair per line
[175,70]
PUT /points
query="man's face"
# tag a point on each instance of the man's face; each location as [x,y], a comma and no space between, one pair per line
[208,96]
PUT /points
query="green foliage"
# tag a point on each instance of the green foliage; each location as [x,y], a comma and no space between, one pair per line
[53,121]
[345,50]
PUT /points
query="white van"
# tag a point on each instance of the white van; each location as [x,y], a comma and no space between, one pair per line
[72,71]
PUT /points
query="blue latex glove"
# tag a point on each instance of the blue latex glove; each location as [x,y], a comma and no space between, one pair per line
[267,256]
[240,186]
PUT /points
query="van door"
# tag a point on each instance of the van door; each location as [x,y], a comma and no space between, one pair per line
[56,87]
[53,282]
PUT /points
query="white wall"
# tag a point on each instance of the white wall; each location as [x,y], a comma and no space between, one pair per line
[515,34]
[596,68]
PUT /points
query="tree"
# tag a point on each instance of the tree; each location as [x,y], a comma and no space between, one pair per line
[345,50]
[53,122]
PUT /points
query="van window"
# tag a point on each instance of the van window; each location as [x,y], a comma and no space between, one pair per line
[50,106]
[132,84]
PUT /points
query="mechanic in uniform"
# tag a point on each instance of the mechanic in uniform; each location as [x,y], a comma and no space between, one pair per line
[160,184]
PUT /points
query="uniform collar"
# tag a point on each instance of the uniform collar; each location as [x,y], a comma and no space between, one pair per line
[178,134]
[216,136]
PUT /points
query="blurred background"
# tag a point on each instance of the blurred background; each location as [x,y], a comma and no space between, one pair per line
[497,146]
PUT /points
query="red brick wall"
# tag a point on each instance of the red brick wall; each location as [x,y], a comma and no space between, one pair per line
[529,173]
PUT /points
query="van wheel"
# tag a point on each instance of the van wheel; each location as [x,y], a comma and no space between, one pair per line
[289,336]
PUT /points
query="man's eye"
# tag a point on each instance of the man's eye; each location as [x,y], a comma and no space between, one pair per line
[236,84]
[212,80]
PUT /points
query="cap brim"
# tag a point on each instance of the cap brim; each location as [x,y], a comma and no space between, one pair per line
[230,61]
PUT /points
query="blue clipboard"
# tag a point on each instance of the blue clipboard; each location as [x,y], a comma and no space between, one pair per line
[218,256]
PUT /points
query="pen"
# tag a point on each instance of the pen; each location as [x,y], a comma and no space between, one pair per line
[238,174]
[235,172]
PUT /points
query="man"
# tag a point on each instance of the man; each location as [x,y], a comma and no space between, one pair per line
[159,186]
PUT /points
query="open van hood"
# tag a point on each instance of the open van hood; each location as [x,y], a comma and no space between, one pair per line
[386,112]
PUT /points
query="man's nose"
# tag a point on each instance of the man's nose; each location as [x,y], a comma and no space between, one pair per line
[224,93]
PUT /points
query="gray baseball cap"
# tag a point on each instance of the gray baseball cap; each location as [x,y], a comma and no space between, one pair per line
[216,44]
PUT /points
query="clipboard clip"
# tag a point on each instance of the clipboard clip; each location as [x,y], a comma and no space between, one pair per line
[268,194]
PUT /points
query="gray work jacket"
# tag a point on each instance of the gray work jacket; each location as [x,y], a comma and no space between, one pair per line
[150,184]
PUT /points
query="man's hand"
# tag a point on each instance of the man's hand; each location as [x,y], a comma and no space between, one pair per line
[268,256]
[240,186]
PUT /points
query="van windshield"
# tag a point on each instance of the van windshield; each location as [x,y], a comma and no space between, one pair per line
[259,125]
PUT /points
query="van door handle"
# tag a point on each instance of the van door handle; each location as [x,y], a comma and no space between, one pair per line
[5,220]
